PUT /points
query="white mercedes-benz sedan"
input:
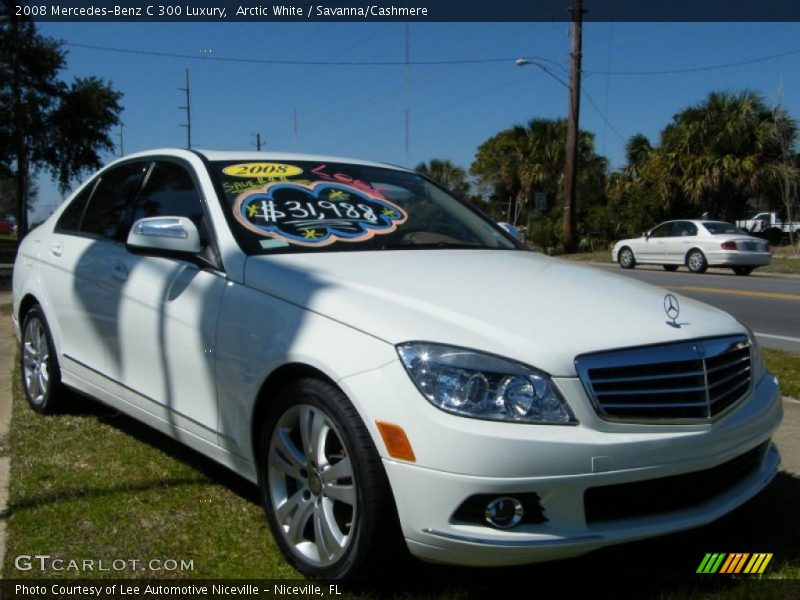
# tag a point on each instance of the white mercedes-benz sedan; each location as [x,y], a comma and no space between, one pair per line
[698,244]
[393,369]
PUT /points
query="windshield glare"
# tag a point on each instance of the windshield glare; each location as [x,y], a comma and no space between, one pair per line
[297,206]
[720,227]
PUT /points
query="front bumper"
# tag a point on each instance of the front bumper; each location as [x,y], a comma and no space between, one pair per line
[458,458]
[432,536]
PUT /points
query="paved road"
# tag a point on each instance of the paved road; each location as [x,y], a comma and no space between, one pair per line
[769,305]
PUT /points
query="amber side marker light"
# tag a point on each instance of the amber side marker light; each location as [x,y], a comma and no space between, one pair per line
[396,441]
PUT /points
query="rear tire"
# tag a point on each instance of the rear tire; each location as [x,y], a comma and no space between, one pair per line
[41,375]
[626,258]
[326,495]
[696,261]
[744,271]
[670,268]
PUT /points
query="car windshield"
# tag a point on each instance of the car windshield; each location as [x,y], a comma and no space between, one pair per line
[302,206]
[720,227]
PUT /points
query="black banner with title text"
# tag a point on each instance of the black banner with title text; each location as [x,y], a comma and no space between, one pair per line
[402,10]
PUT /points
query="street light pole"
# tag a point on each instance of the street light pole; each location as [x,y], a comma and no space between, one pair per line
[571,159]
[574,87]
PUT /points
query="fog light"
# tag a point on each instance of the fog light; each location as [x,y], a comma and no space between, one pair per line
[504,513]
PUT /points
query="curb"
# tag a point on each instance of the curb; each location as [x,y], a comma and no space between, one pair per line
[7,356]
[597,263]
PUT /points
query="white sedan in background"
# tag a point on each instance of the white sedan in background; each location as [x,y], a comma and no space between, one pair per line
[698,244]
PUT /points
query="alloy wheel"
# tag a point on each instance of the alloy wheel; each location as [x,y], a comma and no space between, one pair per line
[626,258]
[697,262]
[35,361]
[312,485]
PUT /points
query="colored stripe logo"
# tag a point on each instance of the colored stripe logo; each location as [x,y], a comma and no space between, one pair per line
[736,562]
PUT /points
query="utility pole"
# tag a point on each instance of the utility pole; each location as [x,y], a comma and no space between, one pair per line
[188,109]
[258,141]
[295,129]
[571,161]
[121,143]
[405,85]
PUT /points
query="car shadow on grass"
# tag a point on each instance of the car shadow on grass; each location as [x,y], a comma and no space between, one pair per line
[659,567]
[81,405]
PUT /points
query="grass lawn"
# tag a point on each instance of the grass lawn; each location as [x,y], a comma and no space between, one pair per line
[786,366]
[96,484]
[783,259]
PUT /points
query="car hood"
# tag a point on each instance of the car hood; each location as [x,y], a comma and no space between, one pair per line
[522,305]
[628,241]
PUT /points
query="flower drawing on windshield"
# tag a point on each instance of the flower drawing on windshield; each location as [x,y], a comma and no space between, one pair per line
[316,214]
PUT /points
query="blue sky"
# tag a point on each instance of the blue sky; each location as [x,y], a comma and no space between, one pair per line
[358,111]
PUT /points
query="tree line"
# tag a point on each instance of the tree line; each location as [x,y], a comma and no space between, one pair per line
[726,157]
[46,123]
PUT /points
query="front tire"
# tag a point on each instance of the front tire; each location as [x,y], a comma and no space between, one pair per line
[743,271]
[626,258]
[41,375]
[325,491]
[696,261]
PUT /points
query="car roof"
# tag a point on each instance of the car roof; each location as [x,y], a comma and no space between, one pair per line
[223,155]
[697,221]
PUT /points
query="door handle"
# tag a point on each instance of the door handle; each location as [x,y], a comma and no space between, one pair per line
[119,272]
[56,249]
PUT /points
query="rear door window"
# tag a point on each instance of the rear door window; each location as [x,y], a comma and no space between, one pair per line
[70,220]
[684,229]
[111,206]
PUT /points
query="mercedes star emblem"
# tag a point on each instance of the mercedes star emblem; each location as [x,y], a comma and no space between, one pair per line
[672,308]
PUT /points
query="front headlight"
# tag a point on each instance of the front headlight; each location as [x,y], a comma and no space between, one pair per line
[482,386]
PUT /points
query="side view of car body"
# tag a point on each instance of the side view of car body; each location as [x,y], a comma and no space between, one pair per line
[697,244]
[395,371]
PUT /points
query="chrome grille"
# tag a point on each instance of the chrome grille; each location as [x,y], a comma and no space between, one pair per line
[685,381]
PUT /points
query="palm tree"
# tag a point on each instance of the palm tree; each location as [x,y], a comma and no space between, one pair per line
[637,152]
[529,158]
[725,151]
[447,174]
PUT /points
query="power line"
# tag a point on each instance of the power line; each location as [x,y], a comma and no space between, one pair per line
[413,82]
[424,116]
[275,61]
[584,92]
[463,61]
[699,69]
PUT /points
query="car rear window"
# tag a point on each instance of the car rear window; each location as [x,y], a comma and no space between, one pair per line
[721,227]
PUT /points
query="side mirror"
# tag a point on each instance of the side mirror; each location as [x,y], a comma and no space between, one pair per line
[646,235]
[165,234]
[510,229]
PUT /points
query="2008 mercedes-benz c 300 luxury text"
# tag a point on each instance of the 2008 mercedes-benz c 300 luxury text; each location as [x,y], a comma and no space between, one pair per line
[386,363]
